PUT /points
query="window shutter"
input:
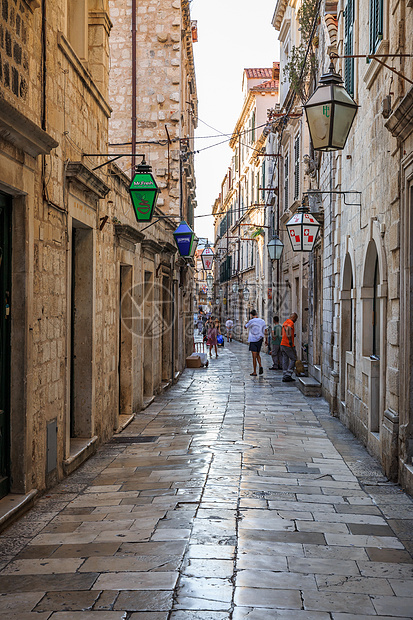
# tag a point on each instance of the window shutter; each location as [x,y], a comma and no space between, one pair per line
[263,179]
[349,46]
[297,167]
[376,24]
[286,188]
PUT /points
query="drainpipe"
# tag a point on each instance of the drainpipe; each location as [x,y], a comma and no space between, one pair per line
[134,9]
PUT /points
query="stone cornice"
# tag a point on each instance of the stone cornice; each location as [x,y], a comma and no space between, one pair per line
[149,245]
[246,108]
[100,18]
[400,123]
[279,13]
[78,172]
[22,132]
[124,231]
[169,248]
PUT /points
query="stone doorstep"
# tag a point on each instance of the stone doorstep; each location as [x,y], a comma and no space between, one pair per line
[147,401]
[80,450]
[13,506]
[309,386]
[124,420]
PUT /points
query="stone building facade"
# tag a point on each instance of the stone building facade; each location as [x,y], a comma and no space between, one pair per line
[94,311]
[244,209]
[155,96]
[359,274]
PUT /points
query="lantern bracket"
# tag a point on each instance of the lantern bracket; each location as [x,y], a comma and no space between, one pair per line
[378,57]
[349,204]
[115,156]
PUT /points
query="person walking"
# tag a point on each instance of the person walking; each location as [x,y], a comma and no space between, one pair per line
[200,323]
[229,325]
[213,329]
[288,352]
[256,332]
[276,336]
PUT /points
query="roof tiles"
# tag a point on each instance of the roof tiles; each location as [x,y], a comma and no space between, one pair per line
[259,73]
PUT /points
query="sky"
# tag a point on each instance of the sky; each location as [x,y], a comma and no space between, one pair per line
[232,35]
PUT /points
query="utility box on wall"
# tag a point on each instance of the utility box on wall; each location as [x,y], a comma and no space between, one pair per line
[51,446]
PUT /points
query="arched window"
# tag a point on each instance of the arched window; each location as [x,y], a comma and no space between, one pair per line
[347,329]
[376,311]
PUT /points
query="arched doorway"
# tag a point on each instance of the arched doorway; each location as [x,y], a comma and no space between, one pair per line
[347,331]
[373,330]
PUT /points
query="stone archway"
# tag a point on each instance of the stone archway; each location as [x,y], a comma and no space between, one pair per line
[373,334]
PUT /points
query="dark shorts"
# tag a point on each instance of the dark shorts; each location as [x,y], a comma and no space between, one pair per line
[256,346]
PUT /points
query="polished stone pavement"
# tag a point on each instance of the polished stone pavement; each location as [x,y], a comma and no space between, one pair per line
[230,497]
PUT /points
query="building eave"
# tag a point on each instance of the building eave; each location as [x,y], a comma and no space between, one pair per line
[400,123]
[279,12]
[19,130]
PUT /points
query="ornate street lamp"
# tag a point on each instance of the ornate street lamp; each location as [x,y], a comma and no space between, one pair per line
[246,293]
[235,288]
[210,280]
[303,228]
[330,113]
[275,248]
[144,192]
[207,257]
[185,239]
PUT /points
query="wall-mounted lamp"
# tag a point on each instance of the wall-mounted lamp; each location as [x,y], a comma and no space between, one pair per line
[144,192]
[330,113]
[275,248]
[207,257]
[185,239]
[303,229]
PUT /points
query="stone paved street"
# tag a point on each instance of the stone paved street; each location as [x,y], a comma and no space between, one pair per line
[230,497]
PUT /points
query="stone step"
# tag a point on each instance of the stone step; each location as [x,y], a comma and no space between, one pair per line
[309,386]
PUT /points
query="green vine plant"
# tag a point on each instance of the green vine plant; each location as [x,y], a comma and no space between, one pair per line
[292,70]
[257,232]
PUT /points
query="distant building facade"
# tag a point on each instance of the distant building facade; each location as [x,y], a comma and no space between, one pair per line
[243,219]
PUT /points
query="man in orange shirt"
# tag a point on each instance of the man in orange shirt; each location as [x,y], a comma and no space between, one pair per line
[288,352]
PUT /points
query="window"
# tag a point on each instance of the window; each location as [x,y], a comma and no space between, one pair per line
[263,179]
[286,187]
[376,311]
[376,24]
[252,186]
[349,46]
[77,26]
[297,167]
[253,127]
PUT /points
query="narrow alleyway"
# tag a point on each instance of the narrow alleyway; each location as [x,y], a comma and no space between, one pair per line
[230,497]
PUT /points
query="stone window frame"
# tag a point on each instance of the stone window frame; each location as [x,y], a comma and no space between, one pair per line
[374,368]
[382,47]
[76,27]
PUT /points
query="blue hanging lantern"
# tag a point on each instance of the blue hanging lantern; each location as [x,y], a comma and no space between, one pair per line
[186,240]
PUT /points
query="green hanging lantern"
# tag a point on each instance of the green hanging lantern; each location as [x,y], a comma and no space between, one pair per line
[144,192]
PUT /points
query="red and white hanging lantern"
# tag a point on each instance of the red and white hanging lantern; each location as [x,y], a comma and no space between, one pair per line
[207,257]
[303,230]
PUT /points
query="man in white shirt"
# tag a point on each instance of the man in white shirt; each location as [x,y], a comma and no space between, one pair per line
[229,325]
[256,331]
